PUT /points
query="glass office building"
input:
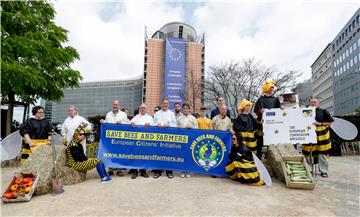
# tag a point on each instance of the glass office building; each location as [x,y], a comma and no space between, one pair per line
[94,98]
[346,67]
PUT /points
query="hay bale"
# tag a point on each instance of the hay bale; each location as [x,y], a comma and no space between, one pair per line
[268,167]
[10,163]
[41,160]
[274,156]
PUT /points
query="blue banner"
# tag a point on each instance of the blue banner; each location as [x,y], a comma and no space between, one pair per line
[185,150]
[175,61]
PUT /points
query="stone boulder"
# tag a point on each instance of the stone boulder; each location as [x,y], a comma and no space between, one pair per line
[274,158]
[41,160]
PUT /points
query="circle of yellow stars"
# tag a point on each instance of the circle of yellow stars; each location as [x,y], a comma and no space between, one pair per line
[175,54]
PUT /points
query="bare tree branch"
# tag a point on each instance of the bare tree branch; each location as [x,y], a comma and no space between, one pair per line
[236,81]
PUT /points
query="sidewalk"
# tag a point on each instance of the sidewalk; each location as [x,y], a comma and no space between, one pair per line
[199,195]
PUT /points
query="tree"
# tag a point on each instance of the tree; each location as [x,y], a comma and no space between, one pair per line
[357,111]
[194,91]
[236,81]
[35,63]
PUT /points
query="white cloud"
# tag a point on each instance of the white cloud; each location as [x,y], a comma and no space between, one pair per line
[112,49]
[288,35]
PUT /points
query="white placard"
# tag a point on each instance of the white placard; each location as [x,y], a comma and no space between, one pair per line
[290,125]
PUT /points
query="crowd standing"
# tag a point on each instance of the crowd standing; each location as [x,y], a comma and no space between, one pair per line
[246,130]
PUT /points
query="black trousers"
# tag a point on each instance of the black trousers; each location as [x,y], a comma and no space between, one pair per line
[136,171]
[260,145]
[160,171]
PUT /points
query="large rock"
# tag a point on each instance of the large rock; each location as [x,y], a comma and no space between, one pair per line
[274,156]
[41,160]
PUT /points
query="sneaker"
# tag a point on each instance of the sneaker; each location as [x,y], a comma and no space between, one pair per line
[133,176]
[156,175]
[187,175]
[325,175]
[170,175]
[119,173]
[145,175]
[111,172]
[106,179]
[182,175]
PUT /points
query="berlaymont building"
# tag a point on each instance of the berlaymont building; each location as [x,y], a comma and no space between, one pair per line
[174,63]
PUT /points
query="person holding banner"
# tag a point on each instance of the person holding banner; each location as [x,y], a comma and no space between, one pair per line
[241,167]
[76,159]
[115,116]
[222,121]
[164,118]
[145,120]
[71,123]
[177,110]
[319,150]
[35,132]
[245,124]
[189,122]
[266,101]
[204,123]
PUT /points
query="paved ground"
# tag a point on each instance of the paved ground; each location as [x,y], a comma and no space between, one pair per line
[338,195]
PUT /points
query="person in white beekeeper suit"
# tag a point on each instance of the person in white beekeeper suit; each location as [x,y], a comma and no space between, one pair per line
[289,99]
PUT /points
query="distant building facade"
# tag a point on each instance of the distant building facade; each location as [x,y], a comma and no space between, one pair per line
[174,64]
[304,92]
[346,67]
[336,72]
[321,79]
[94,98]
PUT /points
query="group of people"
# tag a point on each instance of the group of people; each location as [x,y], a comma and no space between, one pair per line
[246,130]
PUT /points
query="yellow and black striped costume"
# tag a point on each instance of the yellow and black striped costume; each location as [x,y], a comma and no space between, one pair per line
[38,131]
[242,168]
[323,144]
[244,124]
[76,158]
[26,150]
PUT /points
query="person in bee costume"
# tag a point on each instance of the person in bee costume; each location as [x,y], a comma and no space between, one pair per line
[320,149]
[35,132]
[265,101]
[242,167]
[245,125]
[77,160]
